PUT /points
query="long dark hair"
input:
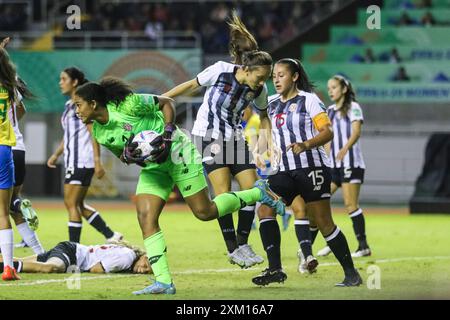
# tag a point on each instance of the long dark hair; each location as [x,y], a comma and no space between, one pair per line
[8,75]
[110,89]
[22,87]
[295,66]
[243,47]
[76,74]
[349,96]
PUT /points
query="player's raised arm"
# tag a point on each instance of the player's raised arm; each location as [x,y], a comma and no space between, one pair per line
[183,89]
[167,106]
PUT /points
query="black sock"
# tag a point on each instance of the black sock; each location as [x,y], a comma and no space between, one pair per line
[339,246]
[314,231]
[15,205]
[75,231]
[271,239]
[359,226]
[303,236]
[16,264]
[246,216]
[99,224]
[229,235]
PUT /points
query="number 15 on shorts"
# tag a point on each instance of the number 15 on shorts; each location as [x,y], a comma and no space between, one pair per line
[317,179]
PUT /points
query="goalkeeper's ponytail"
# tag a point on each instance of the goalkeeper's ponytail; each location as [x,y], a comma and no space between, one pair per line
[109,89]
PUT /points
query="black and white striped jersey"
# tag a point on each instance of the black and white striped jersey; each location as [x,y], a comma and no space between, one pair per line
[224,101]
[342,128]
[78,150]
[20,145]
[292,122]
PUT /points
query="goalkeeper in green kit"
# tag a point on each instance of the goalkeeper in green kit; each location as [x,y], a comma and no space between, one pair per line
[118,115]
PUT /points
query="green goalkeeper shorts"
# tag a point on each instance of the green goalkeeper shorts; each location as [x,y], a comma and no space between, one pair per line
[184,168]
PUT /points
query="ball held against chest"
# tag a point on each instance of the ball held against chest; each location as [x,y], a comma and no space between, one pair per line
[144,140]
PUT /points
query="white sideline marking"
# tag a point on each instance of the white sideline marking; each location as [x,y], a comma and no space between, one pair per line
[38,282]
[196,271]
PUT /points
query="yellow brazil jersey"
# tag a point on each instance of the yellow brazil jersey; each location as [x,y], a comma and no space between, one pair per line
[7,137]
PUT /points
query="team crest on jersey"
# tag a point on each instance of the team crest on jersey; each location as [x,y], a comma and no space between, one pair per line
[127,127]
[215,148]
[293,107]
[250,96]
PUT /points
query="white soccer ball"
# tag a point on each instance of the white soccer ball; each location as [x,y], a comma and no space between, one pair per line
[143,139]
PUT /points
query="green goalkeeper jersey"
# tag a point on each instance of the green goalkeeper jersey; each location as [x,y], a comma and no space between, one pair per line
[138,112]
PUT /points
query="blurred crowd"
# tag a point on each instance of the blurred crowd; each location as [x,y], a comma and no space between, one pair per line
[271,23]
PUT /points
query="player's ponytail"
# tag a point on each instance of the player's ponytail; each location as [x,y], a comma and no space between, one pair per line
[241,40]
[243,47]
[109,89]
[76,74]
[295,66]
[349,96]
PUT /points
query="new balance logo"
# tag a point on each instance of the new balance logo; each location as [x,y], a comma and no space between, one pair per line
[154,259]
[317,188]
[187,188]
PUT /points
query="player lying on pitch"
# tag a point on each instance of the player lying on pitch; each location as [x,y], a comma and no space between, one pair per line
[106,258]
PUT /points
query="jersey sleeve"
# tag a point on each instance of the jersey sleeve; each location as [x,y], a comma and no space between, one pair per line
[209,76]
[317,111]
[117,262]
[261,102]
[140,104]
[355,113]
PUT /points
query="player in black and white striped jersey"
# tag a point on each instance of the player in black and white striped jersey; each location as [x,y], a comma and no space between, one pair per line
[347,161]
[231,87]
[300,127]
[81,161]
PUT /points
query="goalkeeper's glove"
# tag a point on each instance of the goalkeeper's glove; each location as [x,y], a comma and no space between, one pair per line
[162,144]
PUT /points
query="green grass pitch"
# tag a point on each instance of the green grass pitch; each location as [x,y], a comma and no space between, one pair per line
[411,252]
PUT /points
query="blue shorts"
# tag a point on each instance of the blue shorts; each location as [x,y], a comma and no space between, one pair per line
[6,167]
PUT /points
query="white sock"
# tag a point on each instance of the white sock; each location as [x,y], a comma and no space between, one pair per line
[30,237]
[7,246]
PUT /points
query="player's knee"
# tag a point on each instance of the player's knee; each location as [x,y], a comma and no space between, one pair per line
[265,212]
[205,212]
[351,207]
[70,204]
[326,228]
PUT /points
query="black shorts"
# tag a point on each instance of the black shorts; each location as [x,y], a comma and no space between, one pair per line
[312,184]
[79,176]
[347,175]
[19,167]
[66,251]
[216,154]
